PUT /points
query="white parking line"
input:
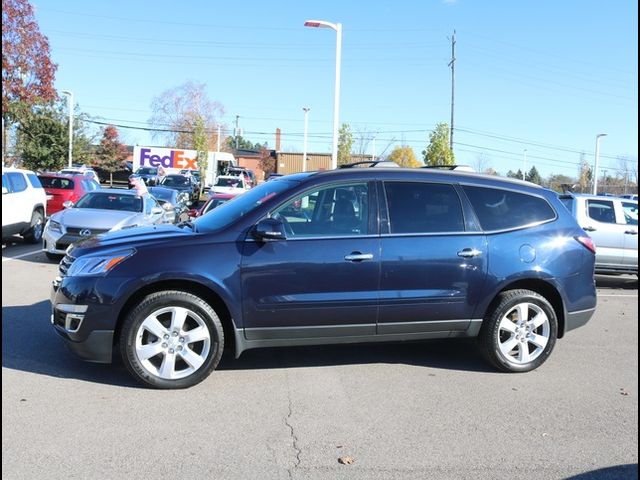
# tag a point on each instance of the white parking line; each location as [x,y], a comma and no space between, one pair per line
[613,295]
[6,259]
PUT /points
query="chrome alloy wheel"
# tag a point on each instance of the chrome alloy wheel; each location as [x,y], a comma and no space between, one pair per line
[523,333]
[172,343]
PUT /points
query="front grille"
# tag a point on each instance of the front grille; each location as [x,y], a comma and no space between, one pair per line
[65,264]
[75,231]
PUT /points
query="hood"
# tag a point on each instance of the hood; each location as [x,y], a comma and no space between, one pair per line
[93,218]
[130,237]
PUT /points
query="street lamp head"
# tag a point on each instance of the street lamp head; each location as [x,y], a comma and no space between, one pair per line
[601,135]
[67,92]
[305,109]
[320,24]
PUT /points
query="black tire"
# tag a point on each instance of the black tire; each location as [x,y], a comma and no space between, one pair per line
[54,256]
[134,337]
[34,234]
[493,336]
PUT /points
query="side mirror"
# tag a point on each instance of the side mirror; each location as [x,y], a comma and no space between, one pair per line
[269,229]
[167,206]
[67,204]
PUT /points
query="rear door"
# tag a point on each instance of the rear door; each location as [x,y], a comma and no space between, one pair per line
[432,264]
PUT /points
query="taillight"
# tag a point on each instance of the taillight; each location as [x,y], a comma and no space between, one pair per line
[587,243]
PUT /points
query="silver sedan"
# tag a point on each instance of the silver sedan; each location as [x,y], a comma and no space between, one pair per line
[98,212]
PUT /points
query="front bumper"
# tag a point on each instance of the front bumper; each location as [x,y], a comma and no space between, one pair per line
[51,242]
[85,313]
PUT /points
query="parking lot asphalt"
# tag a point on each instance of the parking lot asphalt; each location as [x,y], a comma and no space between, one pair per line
[416,410]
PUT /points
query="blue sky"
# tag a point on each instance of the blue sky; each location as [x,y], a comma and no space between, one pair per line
[542,76]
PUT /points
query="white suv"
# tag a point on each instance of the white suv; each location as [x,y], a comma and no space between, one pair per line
[612,223]
[24,204]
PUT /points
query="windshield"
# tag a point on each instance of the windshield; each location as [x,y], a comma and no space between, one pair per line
[229,212]
[110,201]
[228,182]
[147,171]
[175,181]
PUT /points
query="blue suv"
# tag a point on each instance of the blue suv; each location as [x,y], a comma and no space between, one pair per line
[343,256]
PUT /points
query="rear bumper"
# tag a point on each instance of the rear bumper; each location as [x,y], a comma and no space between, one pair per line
[577,319]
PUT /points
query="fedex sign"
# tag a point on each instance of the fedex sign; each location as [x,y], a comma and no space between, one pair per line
[164,157]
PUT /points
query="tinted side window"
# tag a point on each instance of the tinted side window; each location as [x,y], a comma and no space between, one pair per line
[568,202]
[337,210]
[34,180]
[503,209]
[423,208]
[630,213]
[601,211]
[18,182]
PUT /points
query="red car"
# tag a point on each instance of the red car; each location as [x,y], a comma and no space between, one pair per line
[61,188]
[215,200]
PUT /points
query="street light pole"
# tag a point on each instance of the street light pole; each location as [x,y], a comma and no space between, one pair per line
[336,96]
[304,143]
[70,105]
[595,170]
[524,165]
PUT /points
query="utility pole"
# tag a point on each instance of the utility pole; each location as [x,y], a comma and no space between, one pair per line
[373,157]
[304,148]
[218,140]
[237,131]
[524,165]
[452,64]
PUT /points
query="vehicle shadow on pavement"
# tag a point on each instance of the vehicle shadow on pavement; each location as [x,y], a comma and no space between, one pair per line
[449,354]
[625,282]
[628,471]
[30,344]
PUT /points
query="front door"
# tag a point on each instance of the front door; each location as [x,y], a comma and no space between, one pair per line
[322,281]
[630,219]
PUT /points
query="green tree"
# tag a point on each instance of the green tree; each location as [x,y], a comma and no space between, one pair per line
[512,174]
[345,143]
[533,176]
[43,141]
[404,157]
[111,152]
[438,151]
[243,144]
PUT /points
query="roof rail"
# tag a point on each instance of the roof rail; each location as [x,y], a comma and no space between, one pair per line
[460,168]
[370,163]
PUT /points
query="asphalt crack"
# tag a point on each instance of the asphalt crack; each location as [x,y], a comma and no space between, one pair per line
[294,438]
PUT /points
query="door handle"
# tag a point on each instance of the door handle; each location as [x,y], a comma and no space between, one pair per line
[589,229]
[469,253]
[358,257]
[631,232]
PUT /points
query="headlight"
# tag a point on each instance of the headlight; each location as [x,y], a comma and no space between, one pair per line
[55,226]
[98,264]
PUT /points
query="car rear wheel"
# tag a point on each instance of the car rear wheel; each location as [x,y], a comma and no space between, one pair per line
[519,332]
[34,234]
[171,339]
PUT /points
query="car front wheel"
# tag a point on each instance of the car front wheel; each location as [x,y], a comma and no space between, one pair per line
[171,340]
[519,332]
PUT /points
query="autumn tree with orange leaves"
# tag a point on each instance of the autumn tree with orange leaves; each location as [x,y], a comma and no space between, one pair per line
[27,70]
